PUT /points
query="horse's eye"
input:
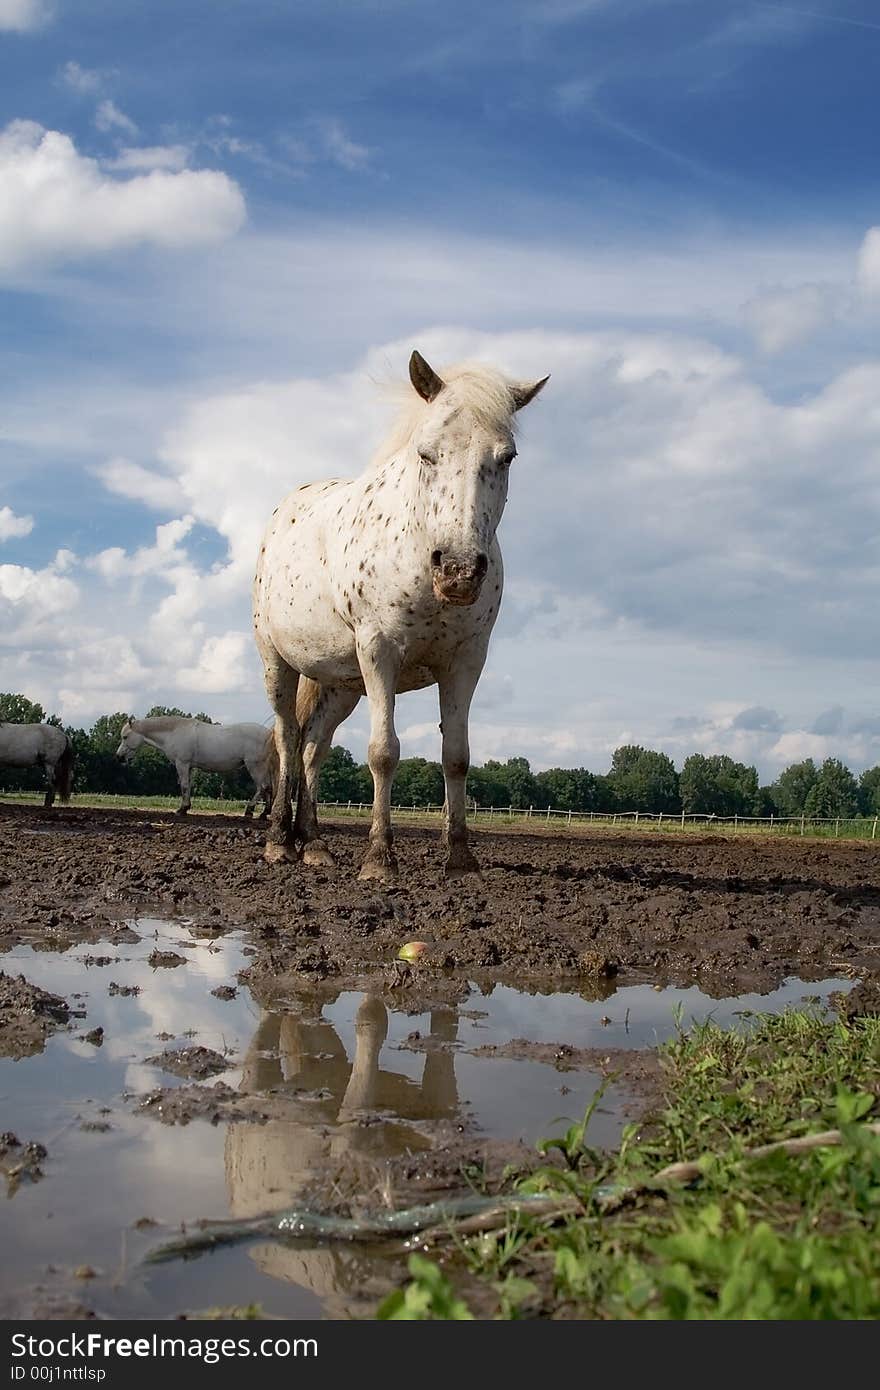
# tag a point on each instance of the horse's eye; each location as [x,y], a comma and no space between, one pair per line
[505,460]
[427,459]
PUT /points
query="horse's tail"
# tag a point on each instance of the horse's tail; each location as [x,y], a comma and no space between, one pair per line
[272,765]
[64,772]
[307,696]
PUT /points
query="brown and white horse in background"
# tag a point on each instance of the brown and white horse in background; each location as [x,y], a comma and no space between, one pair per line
[40,745]
[388,583]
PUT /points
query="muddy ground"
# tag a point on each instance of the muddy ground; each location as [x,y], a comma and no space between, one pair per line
[731,914]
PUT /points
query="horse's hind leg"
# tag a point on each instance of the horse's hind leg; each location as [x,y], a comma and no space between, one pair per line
[321,709]
[49,798]
[281,686]
[255,796]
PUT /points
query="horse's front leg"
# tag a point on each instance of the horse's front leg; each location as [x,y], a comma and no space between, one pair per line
[456,692]
[379,660]
[183,775]
[281,687]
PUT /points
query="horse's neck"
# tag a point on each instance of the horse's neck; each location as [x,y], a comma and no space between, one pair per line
[400,477]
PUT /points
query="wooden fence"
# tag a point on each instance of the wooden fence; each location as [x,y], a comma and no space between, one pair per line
[853,827]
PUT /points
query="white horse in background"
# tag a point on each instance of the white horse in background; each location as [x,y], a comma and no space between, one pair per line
[40,745]
[190,743]
[388,583]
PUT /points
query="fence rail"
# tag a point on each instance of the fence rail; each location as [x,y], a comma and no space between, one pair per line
[865,827]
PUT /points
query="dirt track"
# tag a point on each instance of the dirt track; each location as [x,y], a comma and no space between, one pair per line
[729,913]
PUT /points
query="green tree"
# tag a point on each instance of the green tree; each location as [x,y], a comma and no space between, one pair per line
[566,789]
[18,709]
[161,711]
[520,782]
[718,785]
[643,780]
[834,793]
[418,782]
[793,786]
[869,791]
[342,779]
[487,785]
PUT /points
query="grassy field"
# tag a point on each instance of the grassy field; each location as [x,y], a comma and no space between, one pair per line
[864,828]
[786,1236]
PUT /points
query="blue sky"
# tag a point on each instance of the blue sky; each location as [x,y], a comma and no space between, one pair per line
[221,222]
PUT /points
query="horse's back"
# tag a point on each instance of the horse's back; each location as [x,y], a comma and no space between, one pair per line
[21,745]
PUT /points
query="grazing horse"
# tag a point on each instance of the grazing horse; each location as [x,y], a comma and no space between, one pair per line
[387,583]
[190,743]
[40,745]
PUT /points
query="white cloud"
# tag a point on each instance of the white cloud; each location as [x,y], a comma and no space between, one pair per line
[32,602]
[222,664]
[339,147]
[20,16]
[143,158]
[84,81]
[56,204]
[869,261]
[780,318]
[129,479]
[12,526]
[108,117]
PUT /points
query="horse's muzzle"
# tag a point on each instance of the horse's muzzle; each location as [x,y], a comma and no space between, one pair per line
[458,581]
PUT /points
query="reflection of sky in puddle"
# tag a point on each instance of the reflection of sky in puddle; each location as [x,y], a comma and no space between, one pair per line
[338,1065]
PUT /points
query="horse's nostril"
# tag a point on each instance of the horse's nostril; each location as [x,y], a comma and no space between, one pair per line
[482,565]
[436,557]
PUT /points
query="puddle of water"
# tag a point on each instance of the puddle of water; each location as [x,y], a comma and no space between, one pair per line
[354,1089]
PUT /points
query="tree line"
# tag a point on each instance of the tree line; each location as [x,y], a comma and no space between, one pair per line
[639,779]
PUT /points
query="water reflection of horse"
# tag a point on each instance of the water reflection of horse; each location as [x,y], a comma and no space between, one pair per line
[40,745]
[333,1130]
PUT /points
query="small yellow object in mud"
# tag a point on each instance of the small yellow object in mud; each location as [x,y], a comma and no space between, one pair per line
[412,951]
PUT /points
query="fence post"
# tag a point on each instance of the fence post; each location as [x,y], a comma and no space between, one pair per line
[637,817]
[802,824]
[874,829]
[349,805]
[837,827]
[735,823]
[660,818]
[682,820]
[569,818]
[548,813]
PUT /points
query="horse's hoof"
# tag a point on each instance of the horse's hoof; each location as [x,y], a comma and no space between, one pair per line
[182,811]
[317,856]
[283,853]
[380,867]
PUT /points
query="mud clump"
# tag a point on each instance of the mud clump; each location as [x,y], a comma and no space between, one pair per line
[165,960]
[863,1001]
[28,1015]
[191,1062]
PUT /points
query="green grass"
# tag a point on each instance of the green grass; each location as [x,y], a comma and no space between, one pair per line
[863,828]
[201,805]
[783,1237]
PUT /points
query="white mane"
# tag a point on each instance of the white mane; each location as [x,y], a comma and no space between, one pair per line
[484,392]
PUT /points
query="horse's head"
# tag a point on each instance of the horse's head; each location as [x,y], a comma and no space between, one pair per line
[464,444]
[129,742]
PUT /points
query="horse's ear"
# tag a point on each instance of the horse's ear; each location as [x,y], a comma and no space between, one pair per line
[424,378]
[523,393]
